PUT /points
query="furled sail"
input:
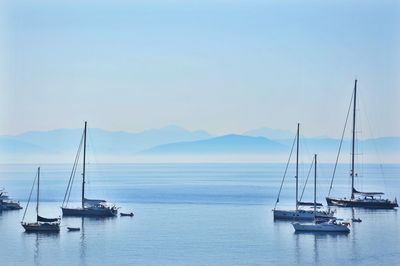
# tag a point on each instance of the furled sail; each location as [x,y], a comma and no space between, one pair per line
[367,193]
[46,220]
[303,203]
[92,202]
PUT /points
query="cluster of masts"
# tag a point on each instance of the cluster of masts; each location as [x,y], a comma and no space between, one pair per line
[322,220]
[89,207]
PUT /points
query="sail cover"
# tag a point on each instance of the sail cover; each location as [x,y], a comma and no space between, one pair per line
[46,220]
[303,203]
[93,201]
[367,193]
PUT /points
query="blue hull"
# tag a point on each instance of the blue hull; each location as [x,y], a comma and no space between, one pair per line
[369,204]
[79,212]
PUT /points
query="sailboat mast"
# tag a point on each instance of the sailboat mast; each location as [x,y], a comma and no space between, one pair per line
[37,195]
[315,185]
[297,167]
[84,164]
[353,140]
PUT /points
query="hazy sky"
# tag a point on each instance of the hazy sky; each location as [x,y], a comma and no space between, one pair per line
[221,66]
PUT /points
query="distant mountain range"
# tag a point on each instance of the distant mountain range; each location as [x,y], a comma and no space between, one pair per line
[63,143]
[226,144]
[262,144]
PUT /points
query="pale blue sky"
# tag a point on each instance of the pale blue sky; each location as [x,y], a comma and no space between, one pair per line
[221,66]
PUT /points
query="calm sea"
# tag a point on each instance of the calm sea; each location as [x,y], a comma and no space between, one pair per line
[196,214]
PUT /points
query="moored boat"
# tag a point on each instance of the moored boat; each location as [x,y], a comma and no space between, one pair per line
[357,198]
[301,211]
[89,207]
[321,225]
[42,224]
[7,204]
[331,226]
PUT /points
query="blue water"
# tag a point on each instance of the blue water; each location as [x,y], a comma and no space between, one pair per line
[196,214]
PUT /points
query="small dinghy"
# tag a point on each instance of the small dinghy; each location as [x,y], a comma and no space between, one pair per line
[73,228]
[127,214]
[356,220]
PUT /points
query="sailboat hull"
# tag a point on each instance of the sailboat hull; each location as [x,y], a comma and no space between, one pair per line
[300,215]
[90,212]
[41,227]
[326,228]
[362,203]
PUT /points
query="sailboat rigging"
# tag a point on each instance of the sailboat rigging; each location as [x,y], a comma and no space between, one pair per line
[89,207]
[42,224]
[331,225]
[299,213]
[358,198]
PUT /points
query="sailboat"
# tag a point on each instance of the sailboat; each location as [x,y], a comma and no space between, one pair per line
[7,204]
[89,207]
[358,198]
[299,213]
[42,224]
[331,225]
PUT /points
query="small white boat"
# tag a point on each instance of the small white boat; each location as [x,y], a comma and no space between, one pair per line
[332,225]
[7,204]
[328,226]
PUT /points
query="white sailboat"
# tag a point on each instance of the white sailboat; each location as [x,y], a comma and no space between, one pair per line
[300,212]
[331,225]
[42,224]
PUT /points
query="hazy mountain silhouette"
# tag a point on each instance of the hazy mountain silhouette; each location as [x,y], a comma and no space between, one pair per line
[174,142]
[66,141]
[221,145]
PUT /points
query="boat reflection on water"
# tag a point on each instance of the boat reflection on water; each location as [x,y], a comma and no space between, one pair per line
[42,238]
[83,247]
[315,242]
[39,243]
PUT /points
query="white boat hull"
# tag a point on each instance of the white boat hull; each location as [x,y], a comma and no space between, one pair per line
[300,215]
[323,227]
